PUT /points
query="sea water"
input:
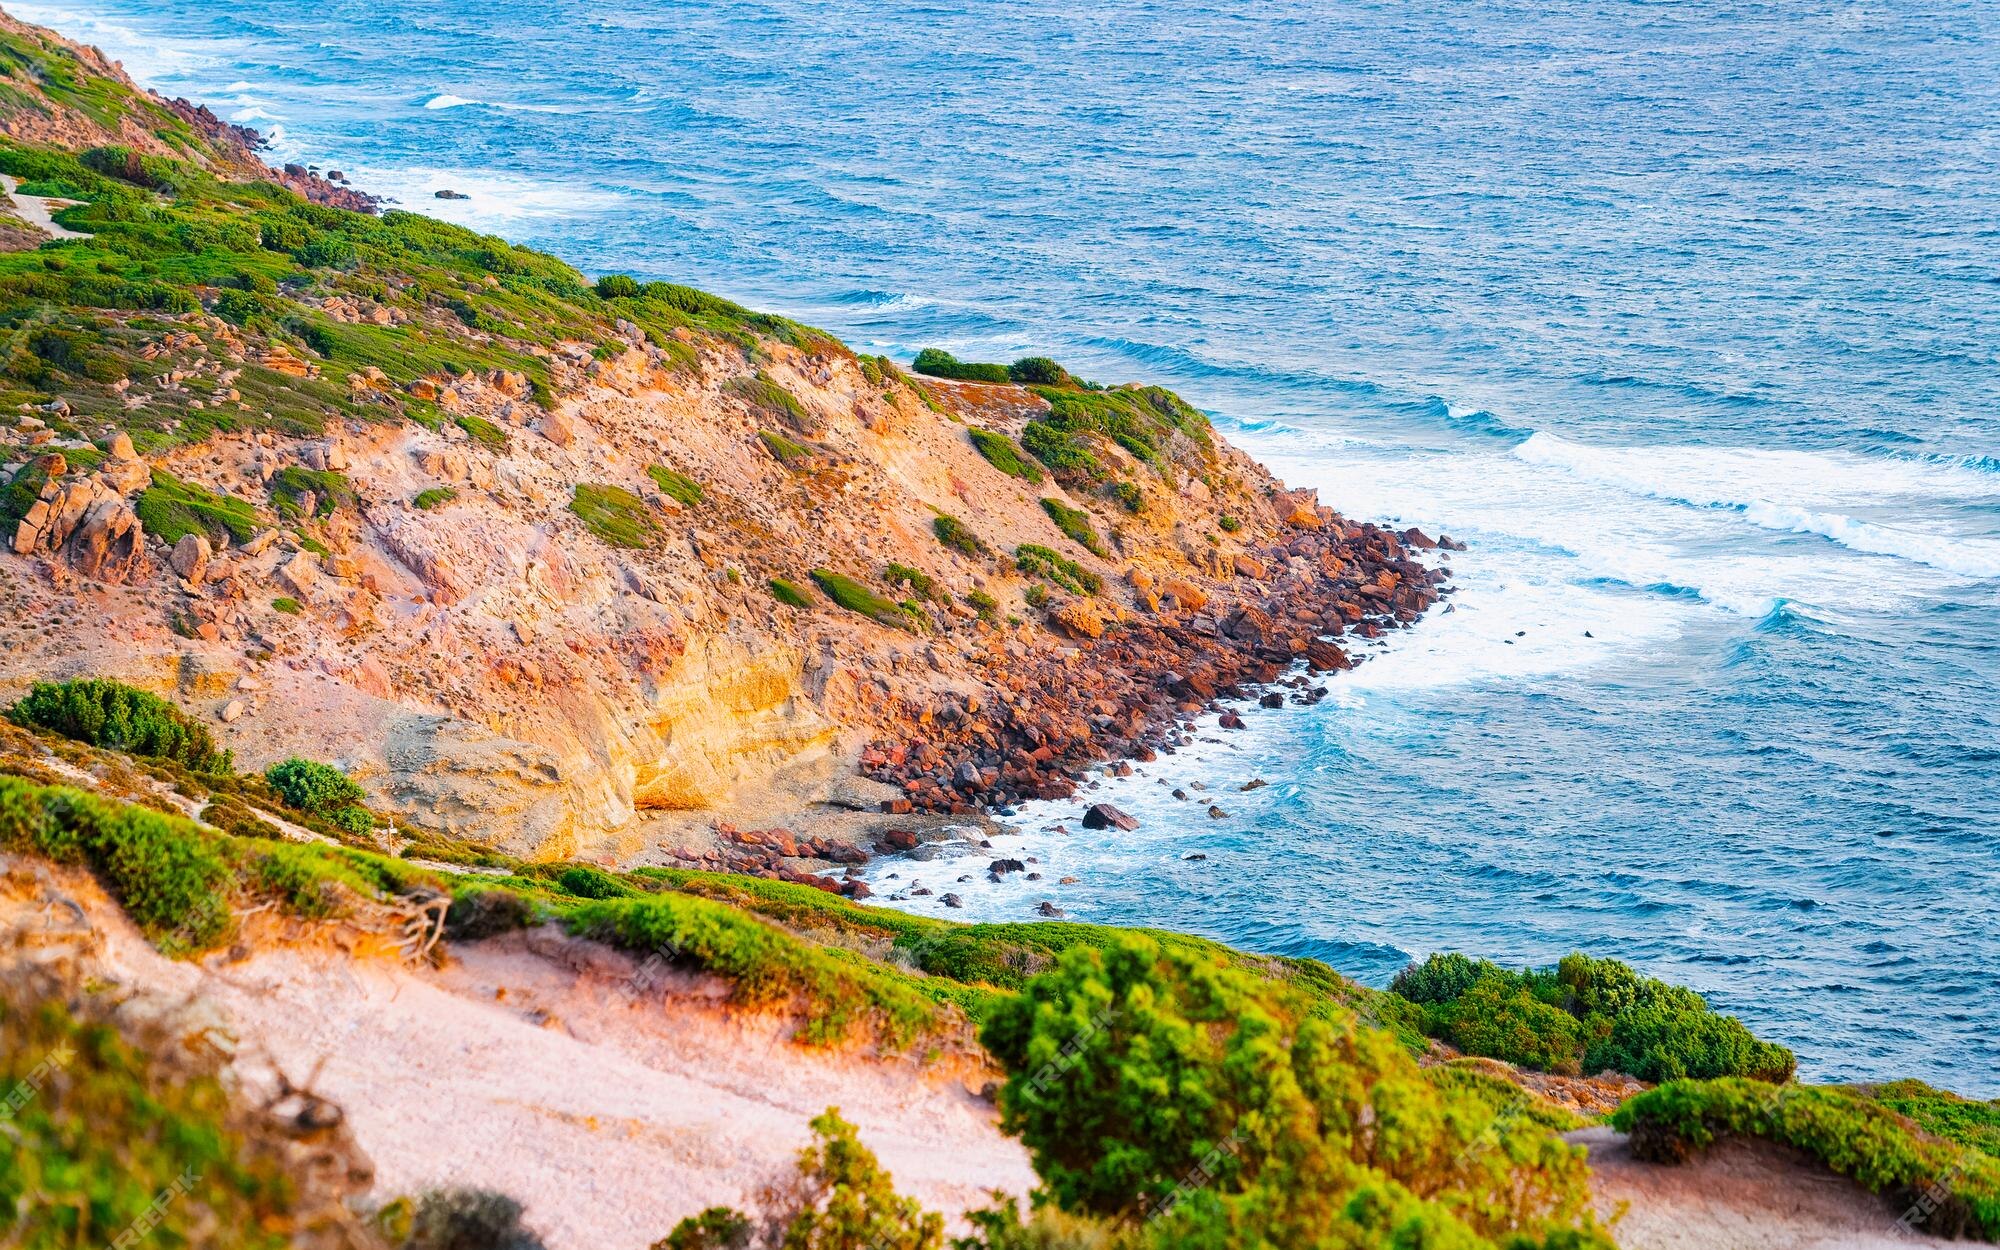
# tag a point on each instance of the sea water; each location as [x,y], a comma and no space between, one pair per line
[1684,316]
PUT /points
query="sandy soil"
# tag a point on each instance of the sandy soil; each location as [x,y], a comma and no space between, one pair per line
[36,210]
[1741,1195]
[611,1101]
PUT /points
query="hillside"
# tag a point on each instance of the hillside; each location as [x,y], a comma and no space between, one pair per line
[538,556]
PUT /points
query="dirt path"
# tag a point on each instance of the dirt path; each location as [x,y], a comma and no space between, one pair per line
[1741,1195]
[37,210]
[610,1103]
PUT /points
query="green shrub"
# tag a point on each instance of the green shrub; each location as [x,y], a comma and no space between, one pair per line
[483,432]
[1588,1015]
[1229,523]
[169,875]
[617,286]
[614,514]
[938,363]
[790,453]
[922,584]
[1066,457]
[297,491]
[1134,1066]
[855,597]
[111,714]
[676,486]
[286,604]
[1944,1114]
[1039,371]
[764,394]
[1075,525]
[1128,495]
[1844,1128]
[170,508]
[435,497]
[789,593]
[312,786]
[117,1130]
[1003,455]
[1053,566]
[986,605]
[717,1228]
[956,535]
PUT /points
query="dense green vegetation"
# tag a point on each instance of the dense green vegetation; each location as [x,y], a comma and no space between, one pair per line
[114,715]
[764,395]
[1585,1015]
[614,514]
[323,791]
[170,508]
[921,584]
[956,535]
[678,487]
[1053,566]
[1075,525]
[94,1129]
[1207,1103]
[789,451]
[1003,455]
[434,497]
[938,363]
[856,597]
[789,593]
[1954,1188]
[1944,1114]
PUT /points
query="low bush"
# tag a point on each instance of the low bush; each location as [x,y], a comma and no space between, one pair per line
[855,597]
[956,535]
[287,605]
[111,714]
[434,497]
[1053,566]
[617,286]
[483,432]
[1075,525]
[614,514]
[1063,452]
[1229,523]
[938,363]
[312,786]
[1002,454]
[297,491]
[1944,1114]
[789,593]
[921,584]
[1128,495]
[1955,1190]
[984,604]
[1039,371]
[789,452]
[1582,1015]
[170,875]
[764,394]
[678,487]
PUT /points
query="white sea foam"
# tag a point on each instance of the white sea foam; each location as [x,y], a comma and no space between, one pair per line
[1968,557]
[449,101]
[498,199]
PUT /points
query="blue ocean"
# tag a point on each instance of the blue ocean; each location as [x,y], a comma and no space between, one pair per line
[1686,317]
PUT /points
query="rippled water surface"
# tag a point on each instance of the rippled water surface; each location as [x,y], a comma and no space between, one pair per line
[1685,317]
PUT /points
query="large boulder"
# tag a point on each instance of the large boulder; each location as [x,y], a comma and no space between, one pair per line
[1105,816]
[191,556]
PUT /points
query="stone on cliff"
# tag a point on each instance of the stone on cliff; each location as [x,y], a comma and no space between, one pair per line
[1076,618]
[123,471]
[1105,816]
[1250,567]
[557,428]
[191,556]
[1298,507]
[300,574]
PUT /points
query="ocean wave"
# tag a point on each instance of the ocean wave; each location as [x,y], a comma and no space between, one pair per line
[449,101]
[1968,557]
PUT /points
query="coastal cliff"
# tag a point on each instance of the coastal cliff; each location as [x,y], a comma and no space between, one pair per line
[568,566]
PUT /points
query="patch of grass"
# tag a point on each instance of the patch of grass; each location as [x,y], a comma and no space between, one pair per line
[435,497]
[1229,523]
[1003,455]
[614,514]
[984,604]
[1585,1015]
[1128,495]
[171,508]
[789,593]
[790,453]
[765,395]
[957,535]
[856,597]
[298,492]
[1075,525]
[938,363]
[678,487]
[1844,1128]
[922,584]
[768,968]
[287,605]
[1966,1121]
[483,432]
[1053,566]
[122,718]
